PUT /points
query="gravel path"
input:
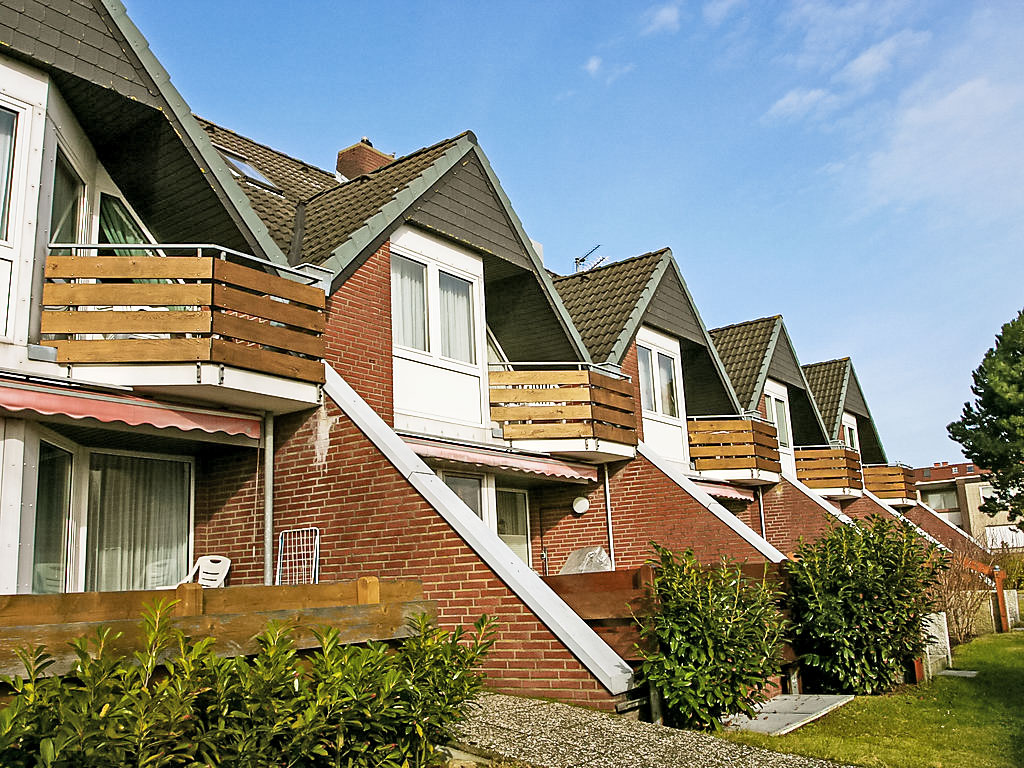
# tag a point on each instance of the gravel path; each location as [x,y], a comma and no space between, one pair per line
[553,735]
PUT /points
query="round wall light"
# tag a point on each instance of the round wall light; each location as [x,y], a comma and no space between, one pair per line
[580,505]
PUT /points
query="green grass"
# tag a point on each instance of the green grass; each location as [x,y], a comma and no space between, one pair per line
[950,722]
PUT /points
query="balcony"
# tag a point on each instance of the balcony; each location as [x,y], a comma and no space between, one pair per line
[831,470]
[188,320]
[364,609]
[738,449]
[584,414]
[893,483]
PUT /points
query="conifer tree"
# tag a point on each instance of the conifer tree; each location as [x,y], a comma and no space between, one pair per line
[991,429]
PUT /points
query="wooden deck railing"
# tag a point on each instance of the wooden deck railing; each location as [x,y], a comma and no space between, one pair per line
[728,443]
[828,467]
[890,481]
[365,609]
[563,404]
[144,308]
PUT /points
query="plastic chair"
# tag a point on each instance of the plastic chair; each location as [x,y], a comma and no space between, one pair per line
[210,571]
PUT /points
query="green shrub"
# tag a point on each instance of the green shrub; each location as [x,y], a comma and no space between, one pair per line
[176,703]
[718,636]
[857,598]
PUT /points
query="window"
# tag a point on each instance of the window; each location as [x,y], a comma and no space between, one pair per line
[414,294]
[986,492]
[658,388]
[927,472]
[53,517]
[851,437]
[469,489]
[504,510]
[8,125]
[239,166]
[941,499]
[970,468]
[65,212]
[956,470]
[776,411]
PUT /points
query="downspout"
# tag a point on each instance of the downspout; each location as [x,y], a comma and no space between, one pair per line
[268,499]
[608,516]
[760,512]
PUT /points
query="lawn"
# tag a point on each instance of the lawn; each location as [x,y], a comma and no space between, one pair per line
[950,722]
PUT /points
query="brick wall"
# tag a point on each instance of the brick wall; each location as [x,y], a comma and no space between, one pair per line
[864,508]
[952,538]
[790,515]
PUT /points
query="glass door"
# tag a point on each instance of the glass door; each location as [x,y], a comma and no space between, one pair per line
[513,521]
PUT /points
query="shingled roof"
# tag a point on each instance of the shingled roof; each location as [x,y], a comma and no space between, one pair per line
[601,300]
[828,385]
[744,349]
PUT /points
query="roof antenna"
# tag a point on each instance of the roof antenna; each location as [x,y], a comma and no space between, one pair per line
[581,261]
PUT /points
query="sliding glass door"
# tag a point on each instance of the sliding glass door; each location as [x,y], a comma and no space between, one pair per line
[53,519]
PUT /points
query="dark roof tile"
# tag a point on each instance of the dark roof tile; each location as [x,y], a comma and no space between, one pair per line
[826,380]
[743,349]
[601,300]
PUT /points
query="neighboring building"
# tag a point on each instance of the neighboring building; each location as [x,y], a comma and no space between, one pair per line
[956,492]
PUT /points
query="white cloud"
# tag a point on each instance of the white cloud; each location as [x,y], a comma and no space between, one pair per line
[802,102]
[619,71]
[716,11]
[863,72]
[593,66]
[661,18]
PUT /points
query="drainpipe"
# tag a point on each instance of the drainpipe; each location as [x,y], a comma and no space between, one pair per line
[608,515]
[268,499]
[760,511]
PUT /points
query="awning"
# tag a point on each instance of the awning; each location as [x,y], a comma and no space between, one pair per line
[498,459]
[123,409]
[725,491]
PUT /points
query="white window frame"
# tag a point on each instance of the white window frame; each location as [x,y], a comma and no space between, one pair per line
[779,392]
[13,244]
[849,422]
[77,543]
[489,488]
[659,343]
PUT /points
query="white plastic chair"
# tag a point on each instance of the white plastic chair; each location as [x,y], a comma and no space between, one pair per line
[210,571]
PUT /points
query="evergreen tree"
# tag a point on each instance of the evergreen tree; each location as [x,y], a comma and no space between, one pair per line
[991,429]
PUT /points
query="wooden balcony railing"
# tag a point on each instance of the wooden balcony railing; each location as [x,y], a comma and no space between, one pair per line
[890,481]
[563,404]
[154,307]
[362,610]
[828,466]
[731,443]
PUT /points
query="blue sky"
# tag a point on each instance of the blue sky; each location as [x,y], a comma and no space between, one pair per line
[856,167]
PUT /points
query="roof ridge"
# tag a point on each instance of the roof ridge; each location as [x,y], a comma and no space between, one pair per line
[397,161]
[827,362]
[660,252]
[204,122]
[746,322]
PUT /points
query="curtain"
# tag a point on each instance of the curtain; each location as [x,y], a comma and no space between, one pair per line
[667,377]
[408,303]
[457,336]
[643,355]
[8,120]
[137,522]
[513,525]
[117,226]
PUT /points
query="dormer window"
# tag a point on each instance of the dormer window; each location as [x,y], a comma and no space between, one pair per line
[777,412]
[849,434]
[661,402]
[240,166]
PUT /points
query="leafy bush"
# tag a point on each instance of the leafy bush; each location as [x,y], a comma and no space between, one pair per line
[857,599]
[718,636]
[1012,564]
[176,703]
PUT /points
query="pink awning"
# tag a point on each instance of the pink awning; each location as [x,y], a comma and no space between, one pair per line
[483,457]
[124,409]
[726,491]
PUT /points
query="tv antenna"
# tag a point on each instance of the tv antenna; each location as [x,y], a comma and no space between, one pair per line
[581,261]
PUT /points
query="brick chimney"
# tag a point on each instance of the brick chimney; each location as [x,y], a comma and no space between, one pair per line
[361,158]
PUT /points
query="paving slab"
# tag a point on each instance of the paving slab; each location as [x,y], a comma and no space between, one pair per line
[959,673]
[551,735]
[788,712]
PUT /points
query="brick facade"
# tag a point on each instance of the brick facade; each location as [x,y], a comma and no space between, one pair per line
[864,508]
[789,516]
[951,537]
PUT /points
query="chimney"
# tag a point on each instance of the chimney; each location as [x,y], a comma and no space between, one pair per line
[361,158]
[938,463]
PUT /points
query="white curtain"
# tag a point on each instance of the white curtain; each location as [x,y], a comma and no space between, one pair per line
[138,522]
[457,318]
[408,303]
[667,375]
[643,355]
[7,122]
[513,522]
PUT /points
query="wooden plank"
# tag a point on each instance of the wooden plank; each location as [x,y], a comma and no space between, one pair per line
[622,386]
[234,632]
[817,473]
[266,283]
[258,332]
[764,428]
[133,321]
[547,431]
[615,434]
[836,482]
[593,582]
[77,607]
[613,400]
[266,361]
[281,597]
[129,267]
[732,450]
[711,464]
[368,590]
[524,378]
[619,418]
[236,300]
[624,639]
[400,591]
[132,350]
[190,599]
[721,438]
[541,412]
[818,453]
[125,294]
[552,395]
[720,425]
[608,603]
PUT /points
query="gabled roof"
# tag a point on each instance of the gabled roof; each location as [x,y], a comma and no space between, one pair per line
[836,389]
[745,350]
[135,119]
